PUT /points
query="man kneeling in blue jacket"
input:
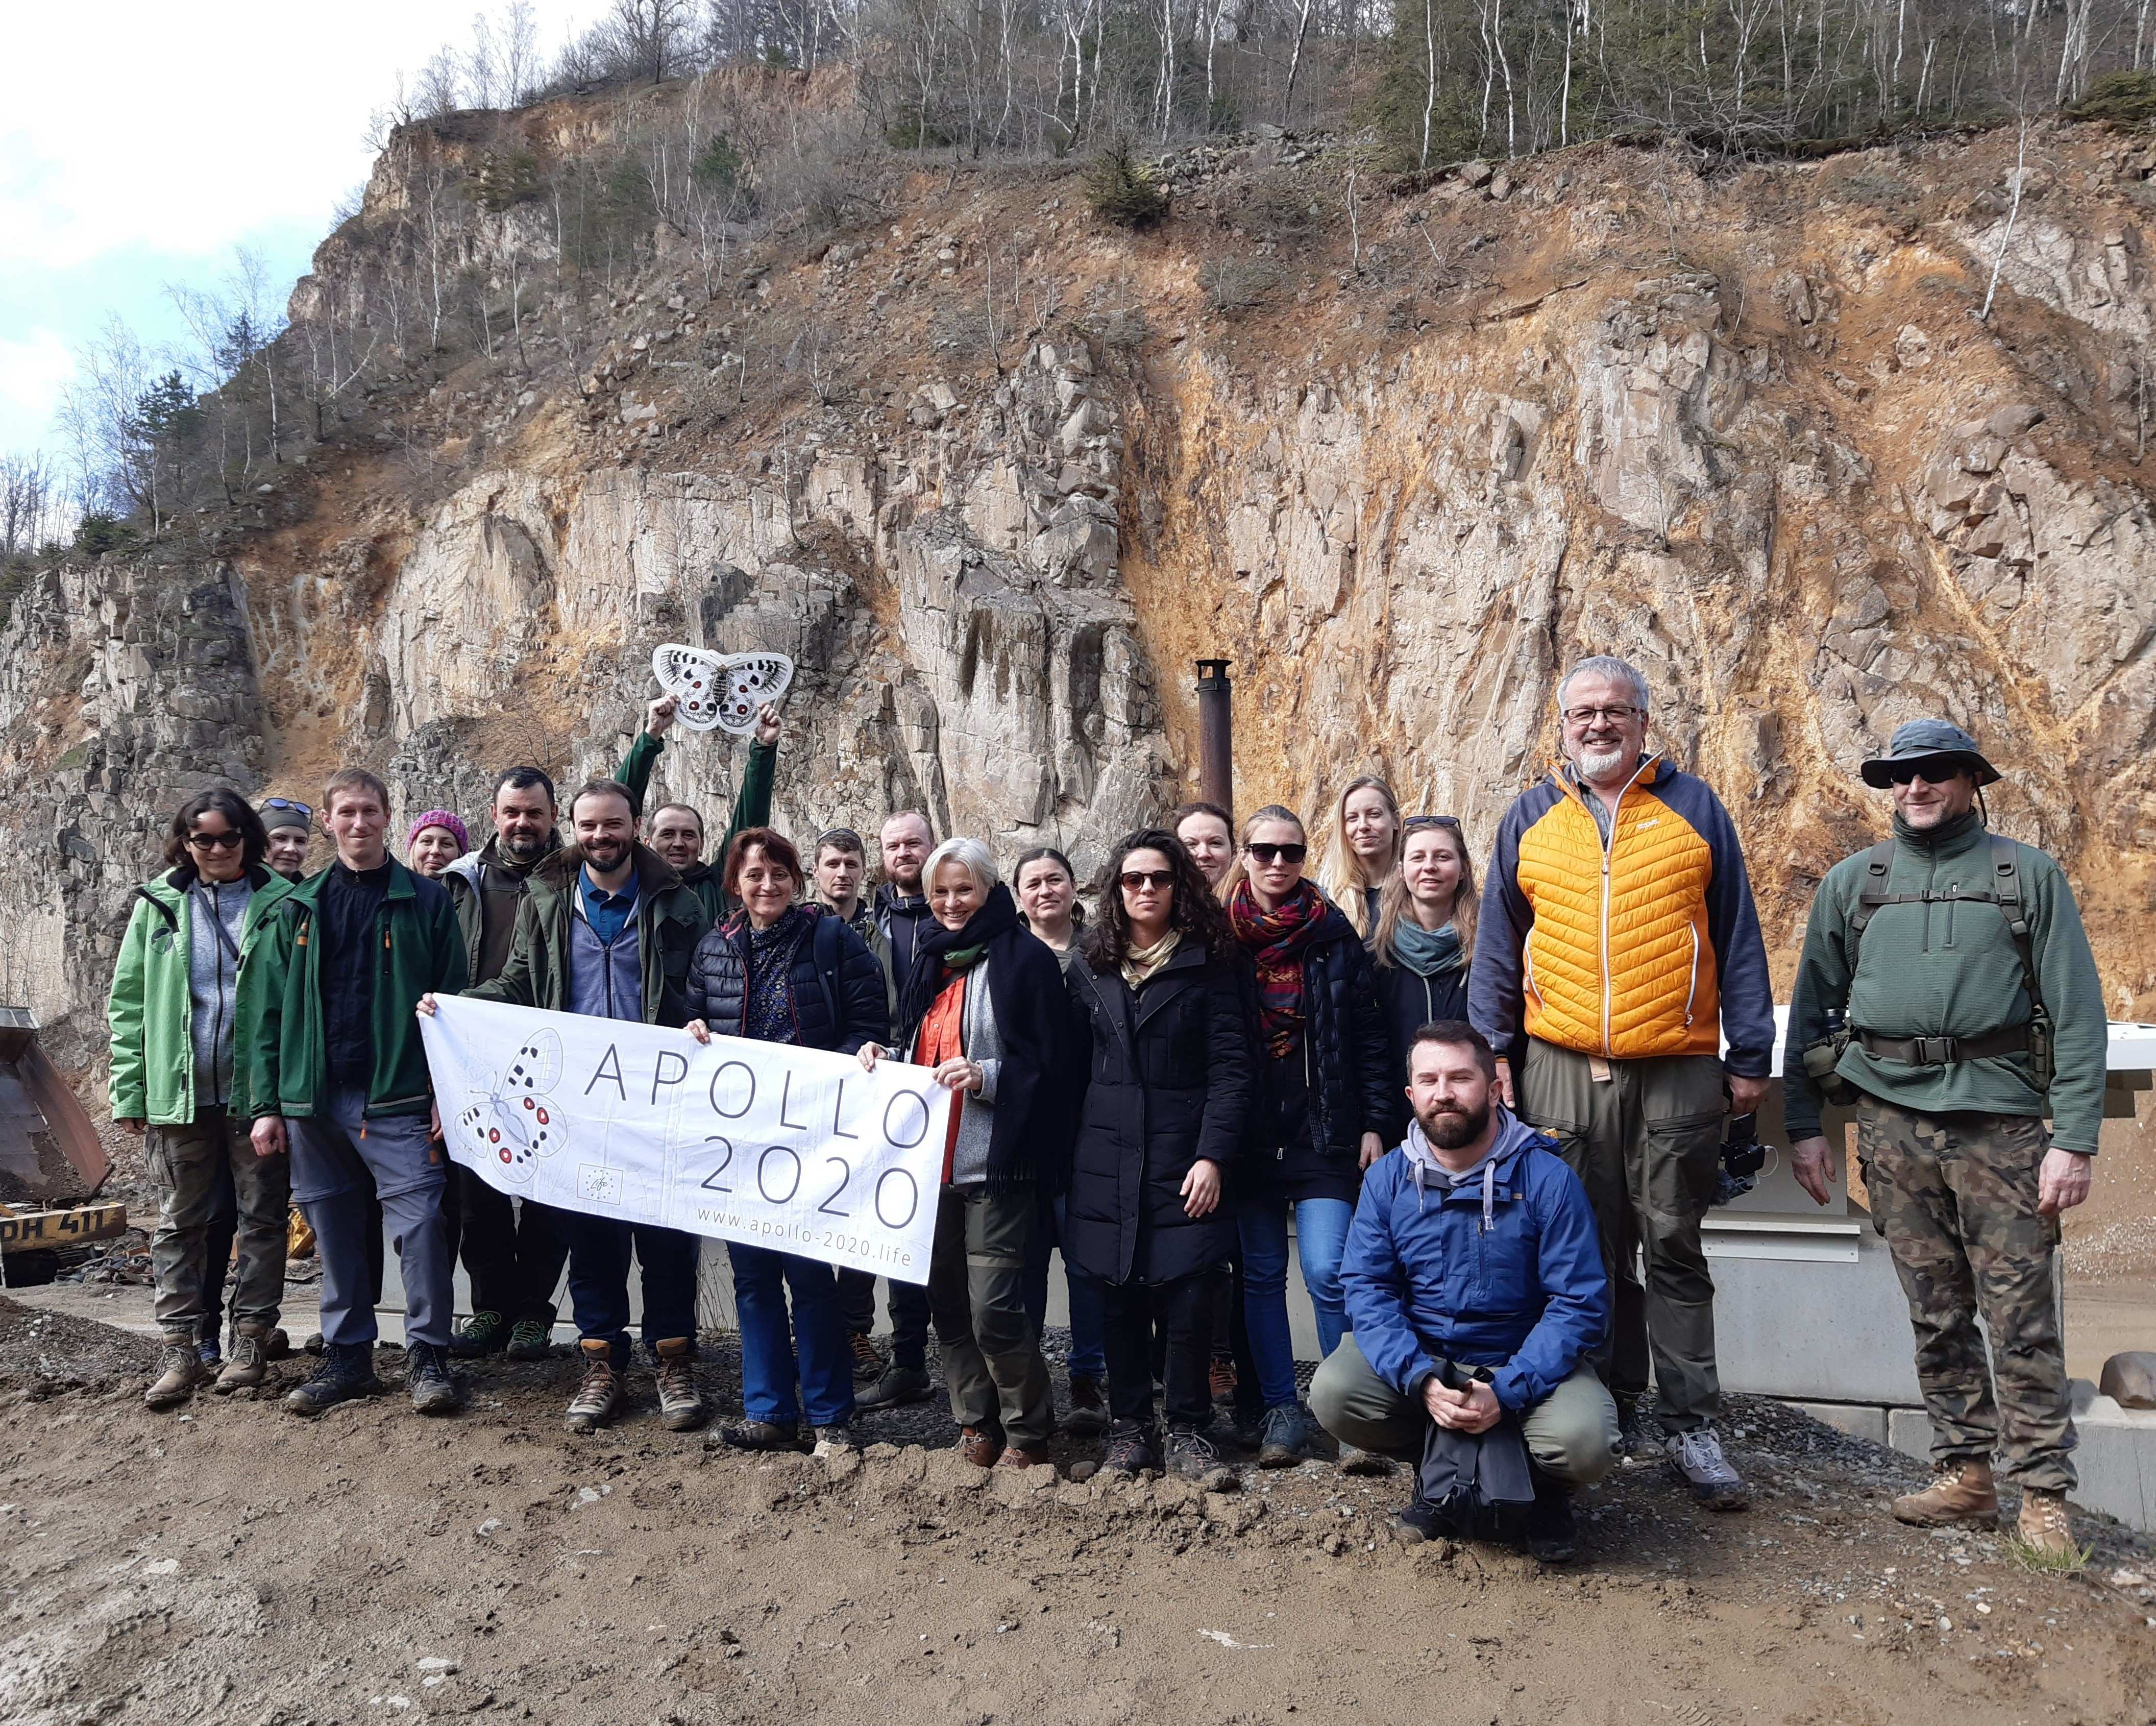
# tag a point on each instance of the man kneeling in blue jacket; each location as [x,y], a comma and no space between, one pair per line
[1473,1246]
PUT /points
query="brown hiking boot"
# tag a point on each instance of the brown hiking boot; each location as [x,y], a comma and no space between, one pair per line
[2045,1527]
[681,1403]
[1961,1495]
[244,1369]
[1019,1456]
[184,1370]
[598,1400]
[868,1359]
[980,1445]
[1220,1377]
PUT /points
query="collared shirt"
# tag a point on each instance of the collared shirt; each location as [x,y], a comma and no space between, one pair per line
[605,912]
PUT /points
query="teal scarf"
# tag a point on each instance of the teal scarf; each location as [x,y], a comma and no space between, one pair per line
[1427,952]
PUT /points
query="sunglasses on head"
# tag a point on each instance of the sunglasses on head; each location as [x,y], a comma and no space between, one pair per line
[286,802]
[230,840]
[1415,821]
[1933,771]
[1279,854]
[1136,880]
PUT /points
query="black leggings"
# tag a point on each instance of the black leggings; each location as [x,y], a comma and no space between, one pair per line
[1184,1310]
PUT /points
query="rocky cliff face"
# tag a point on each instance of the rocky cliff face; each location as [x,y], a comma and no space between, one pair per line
[1446,435]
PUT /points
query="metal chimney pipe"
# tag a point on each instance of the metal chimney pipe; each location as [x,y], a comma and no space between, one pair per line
[1216,736]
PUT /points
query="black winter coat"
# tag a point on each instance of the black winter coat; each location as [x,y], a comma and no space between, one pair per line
[1169,1081]
[838,998]
[1410,1001]
[1347,1055]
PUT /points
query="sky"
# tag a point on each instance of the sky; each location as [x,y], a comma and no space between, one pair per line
[141,144]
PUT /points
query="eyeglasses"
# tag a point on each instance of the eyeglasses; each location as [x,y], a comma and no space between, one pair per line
[1136,879]
[1415,821]
[1933,771]
[1620,714]
[303,810]
[228,840]
[1279,854]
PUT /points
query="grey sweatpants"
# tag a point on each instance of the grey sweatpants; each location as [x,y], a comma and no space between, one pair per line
[1571,1433]
[183,1164]
[333,1153]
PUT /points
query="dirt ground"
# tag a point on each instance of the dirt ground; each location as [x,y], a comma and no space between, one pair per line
[234,1563]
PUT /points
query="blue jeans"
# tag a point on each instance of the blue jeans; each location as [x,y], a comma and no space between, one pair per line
[1321,1233]
[824,1366]
[599,1279]
[1089,1317]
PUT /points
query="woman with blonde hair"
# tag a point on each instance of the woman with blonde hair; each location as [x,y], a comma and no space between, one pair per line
[1364,853]
[1424,936]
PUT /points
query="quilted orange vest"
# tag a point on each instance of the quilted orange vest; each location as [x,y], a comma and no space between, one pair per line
[1619,961]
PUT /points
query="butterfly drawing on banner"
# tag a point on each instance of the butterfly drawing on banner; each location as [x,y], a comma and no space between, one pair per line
[516,1118]
[720,689]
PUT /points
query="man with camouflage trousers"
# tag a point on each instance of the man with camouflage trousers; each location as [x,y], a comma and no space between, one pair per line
[1947,990]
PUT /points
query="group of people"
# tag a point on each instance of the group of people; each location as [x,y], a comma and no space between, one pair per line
[1490,1118]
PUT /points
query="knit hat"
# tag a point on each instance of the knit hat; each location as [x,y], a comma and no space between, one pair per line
[439,817]
[278,812]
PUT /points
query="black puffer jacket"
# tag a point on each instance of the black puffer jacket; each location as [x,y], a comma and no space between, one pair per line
[838,998]
[1410,1001]
[1344,1050]
[1167,1082]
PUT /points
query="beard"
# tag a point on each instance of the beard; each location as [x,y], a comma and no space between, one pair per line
[1450,1128]
[1600,763]
[605,854]
[524,847]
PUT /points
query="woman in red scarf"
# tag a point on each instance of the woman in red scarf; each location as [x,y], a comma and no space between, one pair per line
[1324,1094]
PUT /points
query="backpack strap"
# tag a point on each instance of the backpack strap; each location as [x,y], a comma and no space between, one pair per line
[2006,893]
[1873,895]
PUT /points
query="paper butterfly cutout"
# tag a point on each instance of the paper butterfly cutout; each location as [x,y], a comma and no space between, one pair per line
[516,1119]
[724,690]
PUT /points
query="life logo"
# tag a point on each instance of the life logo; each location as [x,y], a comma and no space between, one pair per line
[516,1119]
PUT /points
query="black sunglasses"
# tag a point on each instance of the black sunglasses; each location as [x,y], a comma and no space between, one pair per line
[1931,770]
[1159,880]
[286,802]
[1415,821]
[1279,854]
[228,841]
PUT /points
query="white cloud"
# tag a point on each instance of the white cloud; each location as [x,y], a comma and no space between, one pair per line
[33,372]
[192,125]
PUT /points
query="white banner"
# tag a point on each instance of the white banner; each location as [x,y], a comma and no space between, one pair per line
[794,1149]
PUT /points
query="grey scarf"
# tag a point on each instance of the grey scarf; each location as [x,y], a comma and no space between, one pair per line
[1427,952]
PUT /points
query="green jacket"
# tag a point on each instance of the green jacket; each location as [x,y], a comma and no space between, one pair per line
[671,920]
[151,1010]
[1951,971]
[752,809]
[280,998]
[466,890]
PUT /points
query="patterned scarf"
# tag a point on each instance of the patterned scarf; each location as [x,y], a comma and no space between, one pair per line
[768,1012]
[1277,939]
[1140,962]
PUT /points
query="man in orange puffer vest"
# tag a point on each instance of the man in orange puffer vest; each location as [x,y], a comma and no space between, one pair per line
[1618,943]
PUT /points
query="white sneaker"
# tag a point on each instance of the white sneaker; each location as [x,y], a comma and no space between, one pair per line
[1696,1458]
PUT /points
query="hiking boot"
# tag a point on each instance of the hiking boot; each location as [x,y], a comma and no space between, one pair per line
[1192,1455]
[1222,1377]
[980,1445]
[1419,1520]
[1552,1532]
[1628,1420]
[207,1352]
[2045,1527]
[1131,1451]
[1285,1439]
[681,1403]
[1962,1495]
[1089,1409]
[1019,1456]
[868,1359]
[314,1344]
[250,1362]
[482,1333]
[182,1370]
[435,1389]
[832,1441]
[347,1372]
[599,1397]
[1246,1425]
[1696,1458]
[1355,1460]
[760,1435]
[898,1385]
[531,1339]
[277,1345]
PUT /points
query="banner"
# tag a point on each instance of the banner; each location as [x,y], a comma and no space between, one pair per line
[794,1149]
